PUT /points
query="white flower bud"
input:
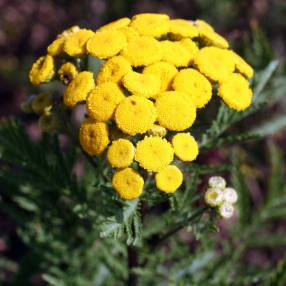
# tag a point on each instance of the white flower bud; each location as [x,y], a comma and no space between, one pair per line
[230,195]
[214,197]
[226,210]
[217,182]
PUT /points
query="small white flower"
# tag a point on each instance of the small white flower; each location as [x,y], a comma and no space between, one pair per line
[217,182]
[226,210]
[214,197]
[230,195]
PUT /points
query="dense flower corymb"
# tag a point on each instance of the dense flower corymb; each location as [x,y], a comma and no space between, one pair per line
[142,102]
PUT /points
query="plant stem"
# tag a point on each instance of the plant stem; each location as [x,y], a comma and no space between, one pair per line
[132,262]
[179,226]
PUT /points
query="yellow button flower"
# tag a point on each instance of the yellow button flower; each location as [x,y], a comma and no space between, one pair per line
[147,85]
[93,137]
[214,39]
[169,179]
[41,102]
[153,153]
[235,92]
[56,48]
[121,153]
[128,184]
[79,88]
[195,85]
[185,146]
[135,114]
[106,43]
[129,33]
[215,63]
[176,111]
[75,45]
[42,70]
[190,45]
[176,53]
[67,72]
[115,25]
[183,28]
[113,70]
[164,71]
[157,130]
[102,101]
[154,25]
[241,65]
[142,51]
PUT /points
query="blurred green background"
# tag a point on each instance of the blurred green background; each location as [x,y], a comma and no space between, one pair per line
[255,28]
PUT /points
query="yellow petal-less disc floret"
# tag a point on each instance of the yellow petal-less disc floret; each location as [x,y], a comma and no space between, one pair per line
[157,130]
[215,63]
[169,179]
[102,101]
[164,71]
[106,43]
[75,45]
[183,28]
[121,153]
[93,137]
[129,33]
[128,184]
[113,70]
[56,48]
[135,114]
[147,85]
[42,70]
[41,103]
[185,146]
[176,53]
[190,45]
[67,72]
[176,111]
[153,153]
[195,85]
[115,25]
[241,65]
[214,39]
[142,51]
[154,25]
[235,92]
[79,88]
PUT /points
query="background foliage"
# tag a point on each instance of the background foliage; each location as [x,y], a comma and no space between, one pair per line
[57,227]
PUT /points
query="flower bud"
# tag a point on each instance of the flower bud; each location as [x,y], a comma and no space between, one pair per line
[230,195]
[217,182]
[214,197]
[226,210]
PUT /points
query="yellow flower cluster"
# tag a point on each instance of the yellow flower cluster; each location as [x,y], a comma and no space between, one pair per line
[155,73]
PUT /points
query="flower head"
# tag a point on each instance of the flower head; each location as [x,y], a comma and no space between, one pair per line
[121,153]
[230,195]
[106,43]
[195,85]
[183,28]
[214,197]
[128,184]
[176,111]
[217,182]
[169,179]
[67,72]
[135,114]
[147,85]
[102,101]
[93,137]
[42,70]
[153,153]
[79,88]
[226,210]
[75,45]
[115,25]
[235,92]
[185,146]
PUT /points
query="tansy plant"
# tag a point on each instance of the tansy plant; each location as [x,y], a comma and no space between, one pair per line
[155,93]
